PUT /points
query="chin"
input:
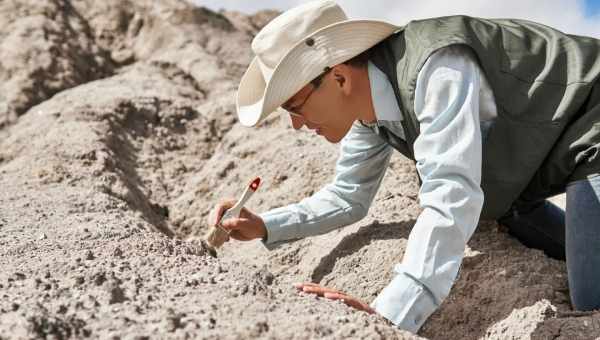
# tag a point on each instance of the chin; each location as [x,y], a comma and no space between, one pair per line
[333,139]
[336,136]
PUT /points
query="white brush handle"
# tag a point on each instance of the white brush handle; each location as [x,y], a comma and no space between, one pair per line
[234,212]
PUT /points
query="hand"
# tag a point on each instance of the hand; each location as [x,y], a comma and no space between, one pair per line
[334,294]
[246,227]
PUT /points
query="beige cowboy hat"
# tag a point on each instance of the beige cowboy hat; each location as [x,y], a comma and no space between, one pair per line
[295,48]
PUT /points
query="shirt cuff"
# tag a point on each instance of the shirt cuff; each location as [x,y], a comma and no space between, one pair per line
[405,302]
[278,226]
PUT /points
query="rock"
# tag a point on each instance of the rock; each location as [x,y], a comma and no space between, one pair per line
[116,293]
[99,278]
[118,252]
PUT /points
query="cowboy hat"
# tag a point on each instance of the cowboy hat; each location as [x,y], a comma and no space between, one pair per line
[295,48]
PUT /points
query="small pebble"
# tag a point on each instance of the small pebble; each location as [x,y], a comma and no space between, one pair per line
[118,252]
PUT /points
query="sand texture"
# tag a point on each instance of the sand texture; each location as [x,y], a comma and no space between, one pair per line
[118,137]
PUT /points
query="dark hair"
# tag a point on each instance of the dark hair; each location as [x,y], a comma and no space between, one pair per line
[360,60]
[317,81]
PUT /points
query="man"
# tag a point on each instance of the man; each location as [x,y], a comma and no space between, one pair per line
[508,110]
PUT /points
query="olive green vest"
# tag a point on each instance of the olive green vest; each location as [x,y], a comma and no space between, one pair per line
[547,92]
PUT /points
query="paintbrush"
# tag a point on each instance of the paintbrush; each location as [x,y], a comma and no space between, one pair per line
[217,235]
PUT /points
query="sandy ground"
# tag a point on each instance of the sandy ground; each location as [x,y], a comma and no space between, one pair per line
[118,136]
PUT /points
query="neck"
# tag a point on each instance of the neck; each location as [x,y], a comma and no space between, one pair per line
[364,104]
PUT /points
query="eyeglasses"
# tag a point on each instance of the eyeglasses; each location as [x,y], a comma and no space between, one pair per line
[295,111]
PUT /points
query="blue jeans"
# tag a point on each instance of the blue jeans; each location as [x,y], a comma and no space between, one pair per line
[574,235]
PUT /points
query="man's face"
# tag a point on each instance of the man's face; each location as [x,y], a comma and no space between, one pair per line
[325,108]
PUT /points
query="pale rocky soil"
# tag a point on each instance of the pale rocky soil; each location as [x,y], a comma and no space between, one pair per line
[118,136]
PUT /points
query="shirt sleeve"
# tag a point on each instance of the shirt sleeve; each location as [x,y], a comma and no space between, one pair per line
[448,154]
[363,160]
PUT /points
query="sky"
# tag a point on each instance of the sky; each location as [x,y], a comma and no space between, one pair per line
[592,7]
[571,16]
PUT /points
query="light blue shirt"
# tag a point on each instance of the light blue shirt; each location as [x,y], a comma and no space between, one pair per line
[453,102]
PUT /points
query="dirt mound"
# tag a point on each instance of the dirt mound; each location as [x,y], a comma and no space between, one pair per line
[45,47]
[118,136]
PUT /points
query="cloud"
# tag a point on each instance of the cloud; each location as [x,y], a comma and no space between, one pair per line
[566,15]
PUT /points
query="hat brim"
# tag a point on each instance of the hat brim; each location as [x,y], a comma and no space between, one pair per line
[333,44]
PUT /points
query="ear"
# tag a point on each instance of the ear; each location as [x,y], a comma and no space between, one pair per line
[342,75]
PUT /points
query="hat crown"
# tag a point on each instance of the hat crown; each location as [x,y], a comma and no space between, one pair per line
[275,39]
[293,49]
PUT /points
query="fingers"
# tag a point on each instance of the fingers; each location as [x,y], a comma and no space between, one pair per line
[301,285]
[333,294]
[245,213]
[350,301]
[220,209]
[313,288]
[336,296]
[234,223]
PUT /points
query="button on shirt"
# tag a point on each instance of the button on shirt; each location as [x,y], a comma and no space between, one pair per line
[453,103]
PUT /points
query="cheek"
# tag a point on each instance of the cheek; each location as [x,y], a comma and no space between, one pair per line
[331,111]
[341,117]
[323,117]
[335,113]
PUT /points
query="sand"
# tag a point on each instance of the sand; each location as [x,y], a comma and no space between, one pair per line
[118,137]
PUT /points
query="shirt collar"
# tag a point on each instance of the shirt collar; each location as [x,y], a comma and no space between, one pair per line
[382,93]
